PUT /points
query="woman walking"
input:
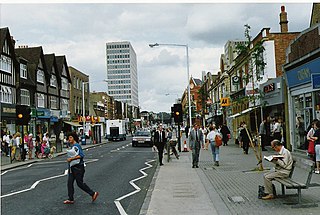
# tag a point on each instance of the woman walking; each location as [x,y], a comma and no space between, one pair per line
[245,138]
[213,132]
[316,138]
[76,170]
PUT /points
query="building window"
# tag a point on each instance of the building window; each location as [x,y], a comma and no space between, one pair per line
[64,84]
[5,64]
[23,71]
[53,102]
[6,95]
[40,99]
[53,81]
[40,76]
[25,97]
[64,104]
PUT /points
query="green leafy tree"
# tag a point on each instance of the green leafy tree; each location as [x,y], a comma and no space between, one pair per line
[253,53]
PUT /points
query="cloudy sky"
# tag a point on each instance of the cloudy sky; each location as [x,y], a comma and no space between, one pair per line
[81,30]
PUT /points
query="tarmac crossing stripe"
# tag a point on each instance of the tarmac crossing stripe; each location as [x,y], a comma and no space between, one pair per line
[117,201]
[34,185]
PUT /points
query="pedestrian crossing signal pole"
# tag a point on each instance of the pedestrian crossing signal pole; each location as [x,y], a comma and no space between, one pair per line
[179,138]
[177,110]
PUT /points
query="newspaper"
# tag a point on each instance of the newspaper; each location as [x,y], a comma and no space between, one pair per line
[270,157]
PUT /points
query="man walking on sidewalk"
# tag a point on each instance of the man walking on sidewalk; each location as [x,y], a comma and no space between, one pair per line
[196,141]
[160,142]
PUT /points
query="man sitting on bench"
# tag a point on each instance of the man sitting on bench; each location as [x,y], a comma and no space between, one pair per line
[282,169]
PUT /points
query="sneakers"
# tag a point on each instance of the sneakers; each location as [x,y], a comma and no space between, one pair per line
[68,202]
[317,172]
[268,197]
[95,196]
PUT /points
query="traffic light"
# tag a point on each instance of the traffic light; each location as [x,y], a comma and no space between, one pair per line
[177,113]
[23,114]
[172,112]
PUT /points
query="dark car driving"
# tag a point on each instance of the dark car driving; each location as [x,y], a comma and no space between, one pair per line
[142,137]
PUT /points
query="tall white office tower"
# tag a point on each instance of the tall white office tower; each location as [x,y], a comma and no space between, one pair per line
[122,72]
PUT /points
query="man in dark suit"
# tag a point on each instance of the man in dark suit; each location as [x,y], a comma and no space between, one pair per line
[195,140]
[160,142]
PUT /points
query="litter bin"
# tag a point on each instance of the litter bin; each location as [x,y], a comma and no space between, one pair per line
[83,140]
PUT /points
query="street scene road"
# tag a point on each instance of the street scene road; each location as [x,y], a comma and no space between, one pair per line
[156,109]
[109,169]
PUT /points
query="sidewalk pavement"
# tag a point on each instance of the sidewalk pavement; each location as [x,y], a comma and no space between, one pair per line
[231,188]
[6,165]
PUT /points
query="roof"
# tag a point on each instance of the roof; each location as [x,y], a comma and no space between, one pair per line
[33,56]
[5,35]
[61,60]
[49,58]
[197,81]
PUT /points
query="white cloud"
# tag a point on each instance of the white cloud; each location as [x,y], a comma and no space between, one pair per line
[80,32]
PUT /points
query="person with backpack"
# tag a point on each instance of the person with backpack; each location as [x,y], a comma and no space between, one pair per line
[211,138]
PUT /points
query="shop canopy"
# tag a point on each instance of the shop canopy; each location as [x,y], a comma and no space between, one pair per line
[76,124]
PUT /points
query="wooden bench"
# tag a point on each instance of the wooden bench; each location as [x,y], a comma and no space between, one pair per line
[289,183]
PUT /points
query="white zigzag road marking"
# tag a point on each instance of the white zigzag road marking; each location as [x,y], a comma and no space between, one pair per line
[117,201]
[34,185]
[44,179]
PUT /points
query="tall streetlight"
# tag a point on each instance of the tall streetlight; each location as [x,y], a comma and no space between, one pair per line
[187,53]
[83,141]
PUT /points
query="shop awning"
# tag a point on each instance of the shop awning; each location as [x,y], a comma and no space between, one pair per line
[242,112]
[234,115]
[72,123]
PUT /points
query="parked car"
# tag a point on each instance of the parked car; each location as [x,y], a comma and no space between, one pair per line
[142,137]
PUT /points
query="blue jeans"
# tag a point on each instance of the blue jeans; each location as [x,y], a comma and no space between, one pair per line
[215,151]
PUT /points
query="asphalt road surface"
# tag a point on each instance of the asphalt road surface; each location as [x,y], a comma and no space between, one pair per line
[42,187]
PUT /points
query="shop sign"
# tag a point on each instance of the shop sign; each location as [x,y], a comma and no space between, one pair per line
[302,74]
[8,110]
[316,81]
[224,102]
[43,113]
[235,80]
[269,88]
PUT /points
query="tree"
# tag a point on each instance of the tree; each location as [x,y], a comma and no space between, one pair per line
[253,53]
[203,94]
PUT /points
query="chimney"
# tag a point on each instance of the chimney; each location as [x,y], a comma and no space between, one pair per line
[283,20]
[13,41]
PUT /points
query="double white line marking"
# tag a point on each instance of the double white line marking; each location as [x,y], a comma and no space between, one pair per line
[117,201]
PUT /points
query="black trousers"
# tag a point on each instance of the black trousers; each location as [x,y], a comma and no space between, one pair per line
[160,148]
[76,172]
[245,146]
[195,156]
[263,140]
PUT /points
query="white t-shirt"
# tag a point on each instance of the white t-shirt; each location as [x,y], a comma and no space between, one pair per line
[212,135]
[276,127]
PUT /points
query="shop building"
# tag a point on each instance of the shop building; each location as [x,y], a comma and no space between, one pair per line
[302,77]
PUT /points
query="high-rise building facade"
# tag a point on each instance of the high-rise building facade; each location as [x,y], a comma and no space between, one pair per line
[122,72]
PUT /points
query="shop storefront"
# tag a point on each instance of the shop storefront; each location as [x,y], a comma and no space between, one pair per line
[8,118]
[43,120]
[303,99]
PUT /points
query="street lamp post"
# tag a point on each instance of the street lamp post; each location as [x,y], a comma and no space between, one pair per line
[83,140]
[187,53]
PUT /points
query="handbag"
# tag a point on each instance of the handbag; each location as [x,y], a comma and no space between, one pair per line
[218,140]
[311,149]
